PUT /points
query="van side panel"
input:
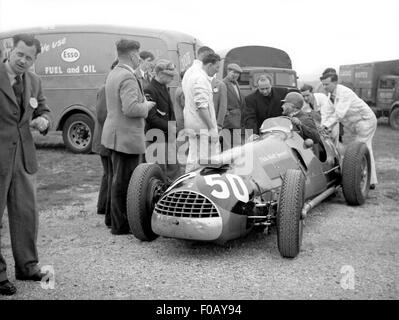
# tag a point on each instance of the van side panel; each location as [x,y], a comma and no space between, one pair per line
[73,66]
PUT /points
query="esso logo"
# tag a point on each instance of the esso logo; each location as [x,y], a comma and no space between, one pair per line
[70,55]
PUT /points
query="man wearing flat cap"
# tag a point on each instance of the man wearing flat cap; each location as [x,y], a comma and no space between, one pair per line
[235,101]
[303,121]
[162,115]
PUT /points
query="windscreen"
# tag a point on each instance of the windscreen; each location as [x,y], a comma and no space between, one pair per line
[276,124]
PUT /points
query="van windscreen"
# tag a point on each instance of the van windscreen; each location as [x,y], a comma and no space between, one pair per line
[285,79]
[244,79]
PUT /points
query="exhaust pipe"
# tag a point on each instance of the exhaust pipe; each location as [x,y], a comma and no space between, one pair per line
[317,200]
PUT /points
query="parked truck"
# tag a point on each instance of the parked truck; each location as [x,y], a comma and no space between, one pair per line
[377,83]
[257,60]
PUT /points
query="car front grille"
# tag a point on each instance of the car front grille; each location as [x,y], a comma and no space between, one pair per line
[186,204]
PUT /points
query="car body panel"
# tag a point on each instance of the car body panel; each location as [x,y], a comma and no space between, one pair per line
[228,185]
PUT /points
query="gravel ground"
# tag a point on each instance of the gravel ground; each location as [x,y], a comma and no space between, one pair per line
[90,263]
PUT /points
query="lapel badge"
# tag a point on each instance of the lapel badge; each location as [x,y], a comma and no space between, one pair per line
[33,103]
[216,89]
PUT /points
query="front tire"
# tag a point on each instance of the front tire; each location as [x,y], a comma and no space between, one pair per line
[145,187]
[77,133]
[289,221]
[394,119]
[356,172]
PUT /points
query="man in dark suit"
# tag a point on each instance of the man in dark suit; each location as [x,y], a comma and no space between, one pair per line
[123,131]
[303,121]
[235,104]
[22,105]
[144,72]
[104,194]
[262,104]
[160,117]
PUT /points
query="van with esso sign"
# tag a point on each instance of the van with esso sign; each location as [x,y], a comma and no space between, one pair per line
[74,63]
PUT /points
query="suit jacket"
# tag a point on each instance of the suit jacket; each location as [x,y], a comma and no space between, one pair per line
[179,108]
[308,127]
[163,112]
[143,81]
[219,101]
[101,112]
[126,112]
[13,127]
[234,106]
[258,108]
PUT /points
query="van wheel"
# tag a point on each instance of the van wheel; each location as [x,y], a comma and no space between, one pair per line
[77,133]
[394,119]
[289,220]
[356,171]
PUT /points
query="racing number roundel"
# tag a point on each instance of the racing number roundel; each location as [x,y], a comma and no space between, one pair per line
[223,186]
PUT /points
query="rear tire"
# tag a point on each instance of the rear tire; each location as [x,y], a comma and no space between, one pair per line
[289,221]
[356,171]
[394,119]
[145,187]
[77,133]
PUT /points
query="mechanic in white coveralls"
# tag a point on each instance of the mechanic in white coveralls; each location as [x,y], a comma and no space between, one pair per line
[355,115]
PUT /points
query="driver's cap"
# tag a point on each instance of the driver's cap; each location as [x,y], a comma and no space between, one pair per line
[294,98]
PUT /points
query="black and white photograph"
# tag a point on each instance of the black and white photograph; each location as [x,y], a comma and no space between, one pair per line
[206,151]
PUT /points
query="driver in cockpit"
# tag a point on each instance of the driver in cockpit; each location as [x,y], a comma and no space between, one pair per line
[304,122]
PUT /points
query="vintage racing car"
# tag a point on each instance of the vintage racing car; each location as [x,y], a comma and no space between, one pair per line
[273,180]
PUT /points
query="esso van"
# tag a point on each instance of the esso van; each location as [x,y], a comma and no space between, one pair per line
[74,63]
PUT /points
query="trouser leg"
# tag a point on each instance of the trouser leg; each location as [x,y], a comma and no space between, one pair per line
[23,218]
[123,166]
[109,188]
[373,177]
[365,133]
[5,180]
[102,194]
[172,167]
[193,154]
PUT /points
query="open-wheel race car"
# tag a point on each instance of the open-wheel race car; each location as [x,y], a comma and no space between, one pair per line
[275,179]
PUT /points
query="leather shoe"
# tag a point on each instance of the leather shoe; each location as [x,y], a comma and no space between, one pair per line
[34,277]
[120,232]
[372,186]
[7,288]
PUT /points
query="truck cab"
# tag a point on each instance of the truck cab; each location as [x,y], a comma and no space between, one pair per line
[377,84]
[388,99]
[257,60]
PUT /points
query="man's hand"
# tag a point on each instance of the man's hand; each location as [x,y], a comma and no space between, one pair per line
[214,136]
[253,137]
[40,123]
[150,104]
[296,121]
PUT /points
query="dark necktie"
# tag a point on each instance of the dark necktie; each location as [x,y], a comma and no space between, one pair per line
[147,77]
[332,98]
[18,88]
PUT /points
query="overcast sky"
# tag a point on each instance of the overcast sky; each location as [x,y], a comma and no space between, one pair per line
[316,34]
